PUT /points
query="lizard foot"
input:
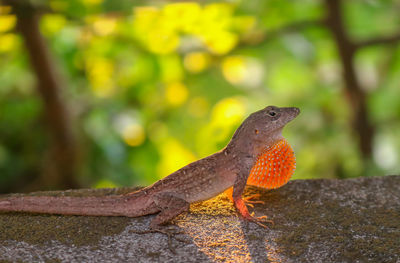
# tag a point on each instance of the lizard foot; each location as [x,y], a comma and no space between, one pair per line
[168,232]
[248,199]
[241,207]
[261,220]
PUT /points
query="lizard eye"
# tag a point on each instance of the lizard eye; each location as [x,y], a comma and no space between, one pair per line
[256,131]
[272,113]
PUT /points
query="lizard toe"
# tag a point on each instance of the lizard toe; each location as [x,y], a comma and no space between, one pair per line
[249,199]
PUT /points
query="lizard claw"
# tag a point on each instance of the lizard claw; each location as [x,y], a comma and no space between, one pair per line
[249,200]
[264,219]
[260,221]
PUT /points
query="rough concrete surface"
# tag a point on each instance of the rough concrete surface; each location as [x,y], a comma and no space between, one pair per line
[354,220]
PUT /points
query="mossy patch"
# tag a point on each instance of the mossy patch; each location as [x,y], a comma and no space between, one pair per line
[77,230]
[366,234]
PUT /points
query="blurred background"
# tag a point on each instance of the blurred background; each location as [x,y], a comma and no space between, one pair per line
[102,93]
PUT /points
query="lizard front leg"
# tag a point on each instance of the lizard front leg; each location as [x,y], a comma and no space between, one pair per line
[239,202]
[247,200]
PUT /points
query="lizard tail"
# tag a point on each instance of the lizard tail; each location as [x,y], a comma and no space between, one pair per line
[121,205]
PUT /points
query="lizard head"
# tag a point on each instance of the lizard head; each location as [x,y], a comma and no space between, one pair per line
[271,119]
[263,128]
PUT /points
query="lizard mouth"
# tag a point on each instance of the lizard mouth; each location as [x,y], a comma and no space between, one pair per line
[293,112]
[289,113]
[296,110]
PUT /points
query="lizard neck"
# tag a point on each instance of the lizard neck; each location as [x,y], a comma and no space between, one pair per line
[250,148]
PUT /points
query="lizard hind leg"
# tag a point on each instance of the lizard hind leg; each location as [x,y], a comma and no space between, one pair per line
[170,206]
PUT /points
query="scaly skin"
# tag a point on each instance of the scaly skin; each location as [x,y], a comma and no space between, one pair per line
[170,196]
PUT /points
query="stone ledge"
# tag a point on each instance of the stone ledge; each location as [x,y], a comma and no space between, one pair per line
[353,220]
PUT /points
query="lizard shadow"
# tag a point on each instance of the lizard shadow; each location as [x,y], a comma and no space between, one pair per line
[261,241]
[170,240]
[255,241]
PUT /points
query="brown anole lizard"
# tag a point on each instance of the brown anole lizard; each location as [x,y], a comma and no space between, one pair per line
[257,154]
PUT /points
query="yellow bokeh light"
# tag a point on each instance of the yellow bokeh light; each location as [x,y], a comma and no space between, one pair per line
[176,93]
[188,14]
[226,115]
[104,26]
[214,25]
[8,42]
[218,12]
[52,23]
[162,42]
[144,19]
[157,33]
[234,69]
[228,111]
[216,20]
[196,61]
[92,2]
[100,73]
[145,15]
[7,22]
[222,42]
[173,156]
[133,134]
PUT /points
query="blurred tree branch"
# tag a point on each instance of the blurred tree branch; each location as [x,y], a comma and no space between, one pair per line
[355,94]
[378,41]
[347,49]
[60,167]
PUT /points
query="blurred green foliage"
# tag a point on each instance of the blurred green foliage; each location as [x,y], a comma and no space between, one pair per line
[154,87]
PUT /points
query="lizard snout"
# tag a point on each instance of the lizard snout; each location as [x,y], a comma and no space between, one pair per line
[296,110]
[292,111]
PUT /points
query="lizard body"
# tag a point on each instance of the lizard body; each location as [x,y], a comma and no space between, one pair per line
[200,180]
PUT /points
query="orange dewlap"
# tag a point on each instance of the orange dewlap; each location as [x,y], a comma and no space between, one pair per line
[274,166]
